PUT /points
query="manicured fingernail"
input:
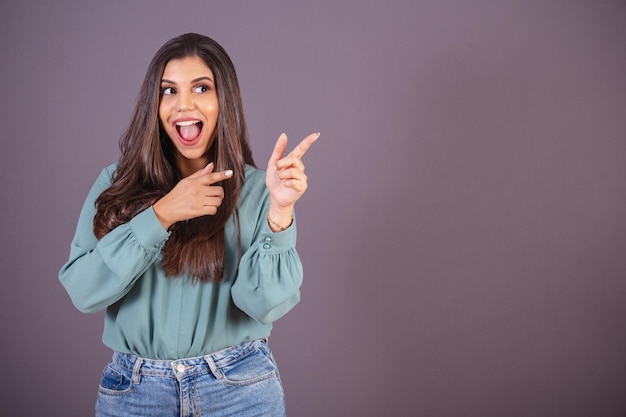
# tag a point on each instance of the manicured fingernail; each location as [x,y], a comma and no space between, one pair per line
[228,173]
[209,164]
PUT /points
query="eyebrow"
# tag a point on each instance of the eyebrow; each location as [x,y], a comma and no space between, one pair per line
[195,80]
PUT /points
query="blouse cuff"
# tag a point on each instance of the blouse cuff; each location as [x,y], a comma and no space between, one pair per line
[148,230]
[277,242]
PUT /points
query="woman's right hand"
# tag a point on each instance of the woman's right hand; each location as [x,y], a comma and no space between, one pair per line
[192,197]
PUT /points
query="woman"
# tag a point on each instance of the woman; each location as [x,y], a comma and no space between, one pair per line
[189,247]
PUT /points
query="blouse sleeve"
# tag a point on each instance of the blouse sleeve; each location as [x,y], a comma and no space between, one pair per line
[270,272]
[100,272]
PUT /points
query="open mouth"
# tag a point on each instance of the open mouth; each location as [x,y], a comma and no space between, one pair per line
[189,130]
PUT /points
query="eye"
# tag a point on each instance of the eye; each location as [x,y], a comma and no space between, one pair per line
[202,88]
[168,90]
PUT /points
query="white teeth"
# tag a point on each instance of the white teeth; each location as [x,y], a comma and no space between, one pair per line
[187,123]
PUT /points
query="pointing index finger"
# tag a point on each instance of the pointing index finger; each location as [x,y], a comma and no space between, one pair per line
[217,176]
[304,146]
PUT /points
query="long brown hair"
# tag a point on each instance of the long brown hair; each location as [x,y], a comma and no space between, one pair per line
[146,170]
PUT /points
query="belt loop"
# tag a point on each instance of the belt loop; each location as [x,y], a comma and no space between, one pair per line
[214,369]
[136,375]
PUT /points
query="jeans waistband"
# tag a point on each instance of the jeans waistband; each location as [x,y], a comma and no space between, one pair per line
[186,366]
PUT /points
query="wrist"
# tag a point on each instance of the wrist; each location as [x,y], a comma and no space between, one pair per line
[280,219]
[161,217]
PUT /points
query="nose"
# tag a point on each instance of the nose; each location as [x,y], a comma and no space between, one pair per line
[185,101]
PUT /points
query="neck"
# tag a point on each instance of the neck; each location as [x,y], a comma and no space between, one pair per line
[186,167]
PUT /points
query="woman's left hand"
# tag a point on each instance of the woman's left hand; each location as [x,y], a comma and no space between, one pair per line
[285,177]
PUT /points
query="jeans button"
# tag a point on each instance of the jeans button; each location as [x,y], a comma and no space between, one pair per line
[180,368]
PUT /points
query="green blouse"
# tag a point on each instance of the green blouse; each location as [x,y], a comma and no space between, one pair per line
[156,317]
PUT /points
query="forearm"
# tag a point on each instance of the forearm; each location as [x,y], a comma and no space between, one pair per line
[270,276]
[99,273]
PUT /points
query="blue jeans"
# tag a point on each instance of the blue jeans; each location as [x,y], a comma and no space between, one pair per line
[242,380]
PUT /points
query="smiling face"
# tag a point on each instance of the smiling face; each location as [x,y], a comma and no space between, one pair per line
[188,111]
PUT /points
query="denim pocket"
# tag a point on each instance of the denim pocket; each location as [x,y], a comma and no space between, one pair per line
[256,367]
[115,380]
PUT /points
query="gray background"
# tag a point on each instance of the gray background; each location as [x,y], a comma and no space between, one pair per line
[463,235]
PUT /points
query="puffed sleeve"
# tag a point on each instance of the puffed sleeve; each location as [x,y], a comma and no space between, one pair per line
[270,271]
[100,272]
